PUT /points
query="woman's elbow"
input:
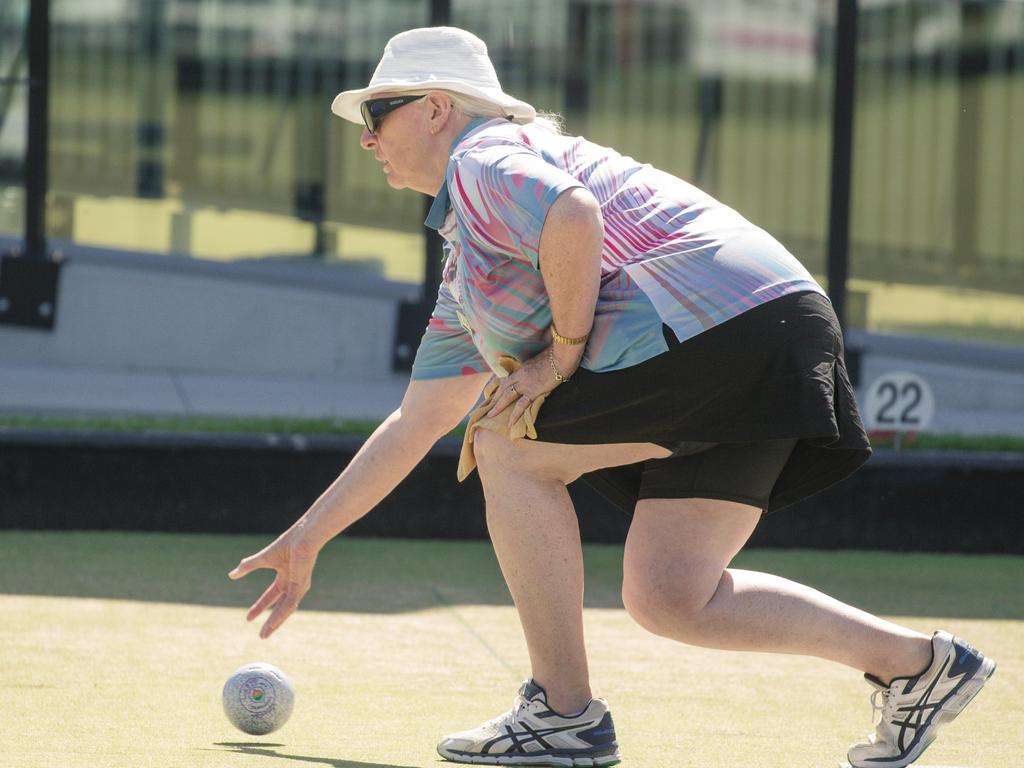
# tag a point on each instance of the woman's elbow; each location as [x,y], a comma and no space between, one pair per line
[580,209]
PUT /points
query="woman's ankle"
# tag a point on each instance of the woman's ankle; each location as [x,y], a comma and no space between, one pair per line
[915,657]
[566,699]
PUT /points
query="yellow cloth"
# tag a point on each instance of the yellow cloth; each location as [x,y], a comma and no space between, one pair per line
[500,423]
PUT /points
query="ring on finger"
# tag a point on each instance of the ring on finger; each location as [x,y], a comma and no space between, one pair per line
[520,394]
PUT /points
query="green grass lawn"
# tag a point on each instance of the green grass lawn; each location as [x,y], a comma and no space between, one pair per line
[115,647]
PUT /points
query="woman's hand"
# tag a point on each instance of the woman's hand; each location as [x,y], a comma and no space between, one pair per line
[519,389]
[293,556]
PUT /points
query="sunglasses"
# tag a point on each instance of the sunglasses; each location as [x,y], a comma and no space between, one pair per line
[374,110]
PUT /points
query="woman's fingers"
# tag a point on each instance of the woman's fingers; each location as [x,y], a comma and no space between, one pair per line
[293,558]
[267,599]
[501,402]
[247,565]
[285,607]
[515,394]
[519,409]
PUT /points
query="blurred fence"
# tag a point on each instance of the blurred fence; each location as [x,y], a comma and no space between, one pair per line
[13,64]
[226,103]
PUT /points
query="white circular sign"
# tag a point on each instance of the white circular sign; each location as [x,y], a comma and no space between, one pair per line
[899,402]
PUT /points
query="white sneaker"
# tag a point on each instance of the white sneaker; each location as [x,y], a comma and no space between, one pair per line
[914,708]
[532,734]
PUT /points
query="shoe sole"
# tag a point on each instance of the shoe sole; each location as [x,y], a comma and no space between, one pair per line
[582,761]
[954,704]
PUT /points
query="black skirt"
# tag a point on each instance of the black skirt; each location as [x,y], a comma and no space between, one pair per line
[773,373]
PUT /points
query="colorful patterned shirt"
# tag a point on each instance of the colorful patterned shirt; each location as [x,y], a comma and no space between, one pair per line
[672,254]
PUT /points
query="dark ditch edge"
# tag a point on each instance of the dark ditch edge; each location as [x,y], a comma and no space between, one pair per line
[259,483]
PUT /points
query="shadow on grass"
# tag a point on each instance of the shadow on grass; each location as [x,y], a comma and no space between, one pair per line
[366,575]
[265,750]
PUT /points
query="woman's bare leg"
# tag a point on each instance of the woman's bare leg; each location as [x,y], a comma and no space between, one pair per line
[536,538]
[676,583]
[676,580]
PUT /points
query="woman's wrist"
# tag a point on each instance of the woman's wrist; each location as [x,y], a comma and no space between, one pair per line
[321,522]
[564,360]
[568,341]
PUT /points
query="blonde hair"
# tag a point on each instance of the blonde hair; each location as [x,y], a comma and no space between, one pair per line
[474,106]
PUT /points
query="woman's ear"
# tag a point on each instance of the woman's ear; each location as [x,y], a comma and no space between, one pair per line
[439,109]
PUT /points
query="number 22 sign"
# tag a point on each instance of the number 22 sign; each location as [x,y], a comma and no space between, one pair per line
[899,402]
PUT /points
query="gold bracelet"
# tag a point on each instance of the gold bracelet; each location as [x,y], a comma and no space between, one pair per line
[567,341]
[551,359]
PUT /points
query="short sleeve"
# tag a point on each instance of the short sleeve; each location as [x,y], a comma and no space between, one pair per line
[446,348]
[502,195]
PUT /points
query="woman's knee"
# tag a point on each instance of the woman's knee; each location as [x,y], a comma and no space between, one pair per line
[669,601]
[676,556]
[490,448]
[496,454]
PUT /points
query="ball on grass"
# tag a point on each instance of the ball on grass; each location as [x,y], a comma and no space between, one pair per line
[258,698]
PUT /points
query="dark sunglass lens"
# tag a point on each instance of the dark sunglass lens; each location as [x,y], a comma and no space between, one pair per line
[381,107]
[375,109]
[368,118]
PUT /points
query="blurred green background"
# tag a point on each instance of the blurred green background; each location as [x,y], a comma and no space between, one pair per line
[202,128]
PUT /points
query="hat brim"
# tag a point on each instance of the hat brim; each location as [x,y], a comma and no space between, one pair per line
[346,104]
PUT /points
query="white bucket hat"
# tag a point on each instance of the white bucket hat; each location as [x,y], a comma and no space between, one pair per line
[445,58]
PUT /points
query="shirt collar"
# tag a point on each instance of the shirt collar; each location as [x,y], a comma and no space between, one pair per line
[439,208]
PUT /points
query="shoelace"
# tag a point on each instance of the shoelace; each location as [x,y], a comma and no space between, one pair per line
[883,710]
[508,717]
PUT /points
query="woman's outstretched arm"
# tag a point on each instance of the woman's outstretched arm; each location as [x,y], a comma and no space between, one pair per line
[429,410]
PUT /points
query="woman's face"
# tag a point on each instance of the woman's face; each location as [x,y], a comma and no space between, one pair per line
[402,143]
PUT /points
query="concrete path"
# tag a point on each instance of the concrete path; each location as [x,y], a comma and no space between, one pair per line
[977,389]
[93,392]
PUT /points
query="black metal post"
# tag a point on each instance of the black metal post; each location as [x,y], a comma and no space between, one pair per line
[28,283]
[710,97]
[433,254]
[973,63]
[37,152]
[151,132]
[842,156]
[440,15]
[577,77]
[310,147]
[414,315]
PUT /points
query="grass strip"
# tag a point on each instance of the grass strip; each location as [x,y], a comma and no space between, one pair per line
[927,441]
[348,427]
[365,427]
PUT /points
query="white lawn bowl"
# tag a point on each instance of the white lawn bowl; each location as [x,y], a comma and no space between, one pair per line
[258,698]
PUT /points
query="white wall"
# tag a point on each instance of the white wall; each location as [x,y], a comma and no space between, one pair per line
[140,311]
